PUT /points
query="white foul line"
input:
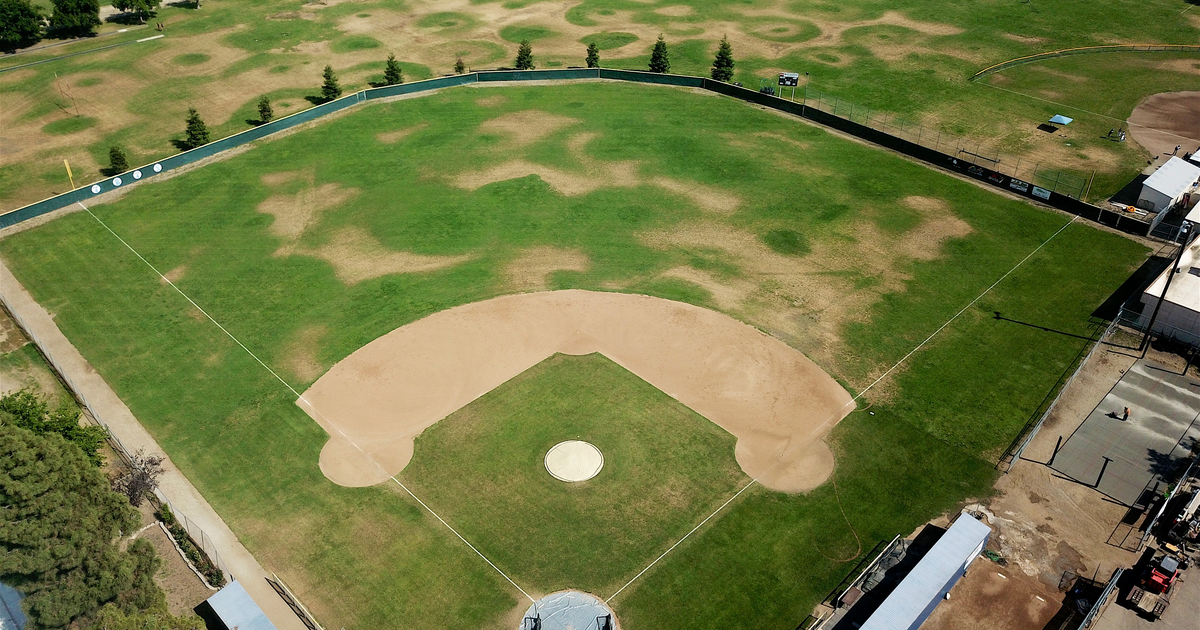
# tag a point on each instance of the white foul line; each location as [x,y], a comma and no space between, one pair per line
[291,389]
[685,537]
[460,537]
[964,309]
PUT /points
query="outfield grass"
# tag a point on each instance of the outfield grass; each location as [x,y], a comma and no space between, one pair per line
[917,69]
[371,557]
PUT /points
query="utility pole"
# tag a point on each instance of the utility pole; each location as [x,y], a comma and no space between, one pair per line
[1185,229]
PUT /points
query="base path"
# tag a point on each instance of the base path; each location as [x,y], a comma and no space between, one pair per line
[771,397]
[1163,121]
[103,402]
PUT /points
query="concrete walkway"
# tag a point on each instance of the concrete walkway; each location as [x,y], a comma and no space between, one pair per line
[104,404]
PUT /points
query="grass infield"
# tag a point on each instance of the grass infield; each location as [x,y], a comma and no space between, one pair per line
[816,215]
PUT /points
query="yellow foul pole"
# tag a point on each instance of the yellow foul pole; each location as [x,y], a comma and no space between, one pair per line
[69,175]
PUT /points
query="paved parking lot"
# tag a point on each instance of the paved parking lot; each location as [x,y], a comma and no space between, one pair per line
[1161,430]
[1184,613]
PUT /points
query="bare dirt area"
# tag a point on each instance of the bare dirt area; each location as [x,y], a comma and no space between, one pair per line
[529,271]
[990,597]
[1162,121]
[775,400]
[181,585]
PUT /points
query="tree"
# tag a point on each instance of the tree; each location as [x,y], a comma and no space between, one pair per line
[58,520]
[197,131]
[20,24]
[142,9]
[330,89]
[524,56]
[141,479]
[392,74]
[593,56]
[117,163]
[658,57]
[459,66]
[722,68]
[75,17]
[27,410]
[265,113]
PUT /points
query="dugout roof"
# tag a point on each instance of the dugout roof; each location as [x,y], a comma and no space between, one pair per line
[234,607]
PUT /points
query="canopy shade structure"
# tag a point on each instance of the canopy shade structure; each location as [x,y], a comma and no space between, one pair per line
[1059,119]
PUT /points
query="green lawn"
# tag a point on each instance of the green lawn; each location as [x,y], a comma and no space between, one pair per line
[665,469]
[837,214]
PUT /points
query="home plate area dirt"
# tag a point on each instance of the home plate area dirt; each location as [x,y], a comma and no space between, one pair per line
[772,398]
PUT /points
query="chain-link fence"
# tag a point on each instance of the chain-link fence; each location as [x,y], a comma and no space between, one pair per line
[88,411]
[963,149]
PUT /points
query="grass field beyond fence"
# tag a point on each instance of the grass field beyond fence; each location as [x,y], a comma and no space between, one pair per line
[847,253]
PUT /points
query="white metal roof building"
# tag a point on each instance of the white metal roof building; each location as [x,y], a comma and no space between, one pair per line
[1179,316]
[233,609]
[1168,185]
[914,599]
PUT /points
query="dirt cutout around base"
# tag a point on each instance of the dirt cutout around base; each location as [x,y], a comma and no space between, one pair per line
[775,400]
[1162,121]
[354,253]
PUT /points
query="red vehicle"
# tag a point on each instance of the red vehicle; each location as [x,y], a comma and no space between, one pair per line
[1152,594]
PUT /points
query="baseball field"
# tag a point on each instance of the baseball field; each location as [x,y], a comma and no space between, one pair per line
[308,248]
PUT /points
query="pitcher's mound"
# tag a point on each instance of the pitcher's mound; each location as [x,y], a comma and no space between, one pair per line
[574,461]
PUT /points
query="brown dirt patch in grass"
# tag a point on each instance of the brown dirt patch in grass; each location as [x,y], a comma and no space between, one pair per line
[491,101]
[564,182]
[280,178]
[528,272]
[1025,39]
[526,127]
[11,337]
[300,356]
[174,275]
[356,256]
[708,198]
[296,213]
[678,10]
[1182,66]
[808,299]
[392,137]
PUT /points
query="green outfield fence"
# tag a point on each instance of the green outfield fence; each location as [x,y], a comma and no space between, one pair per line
[1056,189]
[1085,50]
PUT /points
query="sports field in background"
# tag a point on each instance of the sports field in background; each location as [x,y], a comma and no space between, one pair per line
[309,246]
[909,59]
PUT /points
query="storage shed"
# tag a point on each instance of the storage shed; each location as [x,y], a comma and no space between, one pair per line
[1168,185]
[233,609]
[914,599]
[1179,317]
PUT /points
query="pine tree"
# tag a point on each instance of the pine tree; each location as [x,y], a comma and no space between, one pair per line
[265,112]
[459,66]
[20,24]
[117,163]
[392,74]
[197,131]
[525,56]
[75,17]
[722,68]
[330,89]
[658,57]
[593,56]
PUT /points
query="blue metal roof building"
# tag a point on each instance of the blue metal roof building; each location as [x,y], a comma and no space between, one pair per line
[11,615]
[233,608]
[914,599]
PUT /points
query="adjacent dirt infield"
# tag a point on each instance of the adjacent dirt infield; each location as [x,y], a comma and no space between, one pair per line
[772,398]
[1163,121]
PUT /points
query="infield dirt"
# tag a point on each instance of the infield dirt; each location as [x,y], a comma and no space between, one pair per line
[772,398]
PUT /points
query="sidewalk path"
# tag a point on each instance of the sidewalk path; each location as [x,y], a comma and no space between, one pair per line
[103,403]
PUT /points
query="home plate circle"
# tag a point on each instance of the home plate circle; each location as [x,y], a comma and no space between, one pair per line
[574,460]
[569,610]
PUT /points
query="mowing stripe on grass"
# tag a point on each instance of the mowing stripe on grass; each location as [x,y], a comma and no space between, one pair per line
[297,394]
[685,537]
[964,309]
